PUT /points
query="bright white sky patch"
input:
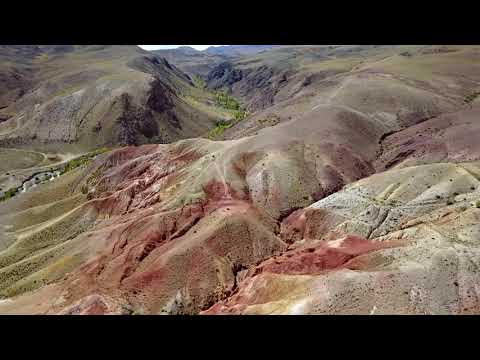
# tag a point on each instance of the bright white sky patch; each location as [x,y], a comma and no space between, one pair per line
[158,47]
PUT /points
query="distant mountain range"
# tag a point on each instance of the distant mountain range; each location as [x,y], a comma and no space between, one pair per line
[238,50]
[200,62]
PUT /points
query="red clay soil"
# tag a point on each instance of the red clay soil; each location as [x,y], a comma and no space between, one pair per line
[147,255]
[178,222]
[319,257]
[446,138]
[314,259]
[309,224]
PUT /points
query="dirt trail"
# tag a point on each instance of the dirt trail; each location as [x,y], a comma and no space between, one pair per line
[15,128]
[335,93]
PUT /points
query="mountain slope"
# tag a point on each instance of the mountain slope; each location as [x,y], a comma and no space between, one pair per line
[176,238]
[357,194]
[91,96]
[403,84]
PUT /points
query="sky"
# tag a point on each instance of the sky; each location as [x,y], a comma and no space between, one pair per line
[157,47]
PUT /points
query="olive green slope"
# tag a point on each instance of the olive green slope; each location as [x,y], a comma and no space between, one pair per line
[77,98]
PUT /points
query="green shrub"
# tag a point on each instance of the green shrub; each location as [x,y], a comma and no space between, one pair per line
[75,163]
[239,115]
[229,103]
[82,160]
[470,97]
[198,82]
[226,101]
[8,194]
[219,129]
[72,164]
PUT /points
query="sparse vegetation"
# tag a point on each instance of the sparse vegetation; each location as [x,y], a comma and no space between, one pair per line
[219,129]
[226,101]
[471,97]
[72,164]
[229,103]
[270,120]
[238,116]
[198,82]
[82,160]
[8,194]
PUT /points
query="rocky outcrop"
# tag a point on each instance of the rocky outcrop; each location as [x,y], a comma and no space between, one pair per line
[223,75]
[257,86]
[384,245]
